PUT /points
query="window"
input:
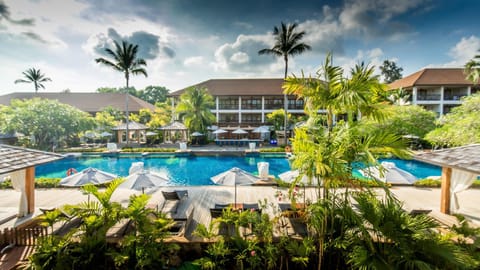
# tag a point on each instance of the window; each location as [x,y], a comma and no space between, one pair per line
[251,103]
[228,103]
[251,118]
[274,103]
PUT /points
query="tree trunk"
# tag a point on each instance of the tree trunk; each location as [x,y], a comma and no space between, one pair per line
[126,110]
[285,101]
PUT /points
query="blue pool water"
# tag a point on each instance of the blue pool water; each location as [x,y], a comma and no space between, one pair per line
[194,171]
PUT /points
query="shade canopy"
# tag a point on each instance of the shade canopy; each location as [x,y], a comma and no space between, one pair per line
[390,174]
[219,131]
[88,176]
[106,134]
[291,176]
[261,129]
[239,131]
[197,134]
[151,133]
[90,134]
[233,177]
[144,179]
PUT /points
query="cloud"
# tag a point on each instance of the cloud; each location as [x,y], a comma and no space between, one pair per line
[149,44]
[195,61]
[5,14]
[34,36]
[463,51]
[373,57]
[242,55]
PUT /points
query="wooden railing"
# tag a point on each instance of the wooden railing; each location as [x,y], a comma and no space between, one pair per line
[22,236]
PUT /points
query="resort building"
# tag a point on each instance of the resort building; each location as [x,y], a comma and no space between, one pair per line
[246,102]
[436,89]
[87,102]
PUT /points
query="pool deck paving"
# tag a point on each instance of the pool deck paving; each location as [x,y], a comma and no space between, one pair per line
[201,198]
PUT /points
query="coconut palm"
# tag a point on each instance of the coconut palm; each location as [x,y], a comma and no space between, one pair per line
[288,42]
[125,60]
[34,76]
[472,69]
[195,109]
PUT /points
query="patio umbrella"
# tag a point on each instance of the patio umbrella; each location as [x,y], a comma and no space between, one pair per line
[106,134]
[197,134]
[261,129]
[291,176]
[151,133]
[391,174]
[88,176]
[233,177]
[239,131]
[144,179]
[219,131]
[90,134]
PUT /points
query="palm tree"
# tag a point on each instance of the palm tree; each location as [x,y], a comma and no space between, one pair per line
[287,42]
[195,109]
[472,69]
[34,76]
[124,59]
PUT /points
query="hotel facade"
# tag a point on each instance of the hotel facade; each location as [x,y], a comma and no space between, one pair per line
[245,102]
[436,89]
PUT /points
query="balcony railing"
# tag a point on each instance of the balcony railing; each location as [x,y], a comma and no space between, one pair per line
[453,97]
[429,97]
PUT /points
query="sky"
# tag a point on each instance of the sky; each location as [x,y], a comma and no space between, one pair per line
[185,42]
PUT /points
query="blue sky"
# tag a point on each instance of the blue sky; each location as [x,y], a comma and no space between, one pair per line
[188,41]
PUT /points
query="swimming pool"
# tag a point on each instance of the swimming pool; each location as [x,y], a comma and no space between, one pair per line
[196,170]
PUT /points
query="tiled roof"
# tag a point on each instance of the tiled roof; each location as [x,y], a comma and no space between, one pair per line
[132,125]
[239,87]
[174,126]
[464,158]
[16,158]
[432,76]
[87,102]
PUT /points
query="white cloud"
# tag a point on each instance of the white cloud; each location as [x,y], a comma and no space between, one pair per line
[463,51]
[195,61]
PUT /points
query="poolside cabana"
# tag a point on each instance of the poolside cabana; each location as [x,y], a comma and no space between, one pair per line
[460,168]
[174,132]
[19,164]
[136,132]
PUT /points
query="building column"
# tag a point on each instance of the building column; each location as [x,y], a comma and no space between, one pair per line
[414,95]
[445,197]
[239,110]
[217,105]
[469,91]
[263,109]
[30,188]
[442,98]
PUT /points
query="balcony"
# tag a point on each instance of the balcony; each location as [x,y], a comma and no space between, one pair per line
[428,97]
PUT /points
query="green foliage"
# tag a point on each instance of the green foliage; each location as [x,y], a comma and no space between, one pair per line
[47,182]
[195,109]
[390,71]
[428,183]
[153,94]
[472,69]
[402,120]
[34,76]
[47,121]
[459,127]
[277,118]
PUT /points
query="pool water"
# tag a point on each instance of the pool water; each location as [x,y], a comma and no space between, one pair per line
[195,171]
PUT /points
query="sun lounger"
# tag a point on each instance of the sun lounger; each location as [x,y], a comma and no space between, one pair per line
[173,196]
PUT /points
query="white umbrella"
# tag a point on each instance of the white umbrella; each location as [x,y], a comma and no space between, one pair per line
[390,174]
[233,177]
[144,179]
[239,131]
[150,133]
[292,176]
[261,129]
[88,176]
[219,131]
[106,134]
[197,134]
[90,134]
